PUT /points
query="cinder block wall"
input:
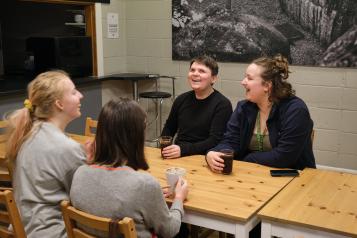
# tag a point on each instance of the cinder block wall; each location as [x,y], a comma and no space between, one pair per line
[145,46]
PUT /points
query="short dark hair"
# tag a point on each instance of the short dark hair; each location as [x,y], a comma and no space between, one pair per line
[208,62]
[120,135]
[276,71]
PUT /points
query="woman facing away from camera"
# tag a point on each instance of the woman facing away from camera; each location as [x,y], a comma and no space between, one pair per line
[43,157]
[112,187]
[272,126]
[199,116]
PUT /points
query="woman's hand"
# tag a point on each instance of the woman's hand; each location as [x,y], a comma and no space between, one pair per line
[171,152]
[181,189]
[214,161]
[89,148]
[166,191]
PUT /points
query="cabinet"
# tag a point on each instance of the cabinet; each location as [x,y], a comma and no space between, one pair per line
[87,9]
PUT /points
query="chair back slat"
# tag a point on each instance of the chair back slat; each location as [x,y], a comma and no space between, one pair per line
[4,217]
[5,233]
[312,136]
[3,125]
[80,234]
[89,220]
[72,216]
[90,126]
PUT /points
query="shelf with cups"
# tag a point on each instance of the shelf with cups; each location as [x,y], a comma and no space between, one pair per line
[76,18]
[76,24]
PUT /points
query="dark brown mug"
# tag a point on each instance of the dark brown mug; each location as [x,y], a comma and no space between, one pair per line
[164,141]
[227,156]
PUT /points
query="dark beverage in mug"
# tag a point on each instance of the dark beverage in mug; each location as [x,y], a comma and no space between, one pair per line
[227,156]
[164,141]
[164,144]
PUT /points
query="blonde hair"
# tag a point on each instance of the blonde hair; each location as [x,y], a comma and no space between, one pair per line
[43,91]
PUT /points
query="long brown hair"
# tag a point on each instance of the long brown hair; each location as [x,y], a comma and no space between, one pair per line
[120,135]
[276,71]
[43,91]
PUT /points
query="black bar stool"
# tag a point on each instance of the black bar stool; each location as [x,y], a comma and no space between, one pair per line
[158,97]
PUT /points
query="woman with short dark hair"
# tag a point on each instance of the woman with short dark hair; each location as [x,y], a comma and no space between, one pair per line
[198,117]
[112,187]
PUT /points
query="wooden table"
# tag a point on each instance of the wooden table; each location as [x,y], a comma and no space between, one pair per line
[227,203]
[317,204]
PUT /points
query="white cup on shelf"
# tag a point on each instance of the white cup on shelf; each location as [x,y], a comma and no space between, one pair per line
[78,18]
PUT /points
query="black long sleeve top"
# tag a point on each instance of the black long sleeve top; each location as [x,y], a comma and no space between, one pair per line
[199,124]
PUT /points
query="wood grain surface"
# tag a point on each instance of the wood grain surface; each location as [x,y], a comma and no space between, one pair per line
[238,196]
[318,199]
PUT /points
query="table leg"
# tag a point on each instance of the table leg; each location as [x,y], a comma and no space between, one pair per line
[135,89]
[266,230]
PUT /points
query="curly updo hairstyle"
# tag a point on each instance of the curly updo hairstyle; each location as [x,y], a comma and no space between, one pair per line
[276,71]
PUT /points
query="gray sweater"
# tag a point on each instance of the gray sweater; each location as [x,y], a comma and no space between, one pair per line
[43,173]
[120,192]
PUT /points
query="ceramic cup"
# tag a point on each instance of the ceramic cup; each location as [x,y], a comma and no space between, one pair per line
[172,176]
[78,18]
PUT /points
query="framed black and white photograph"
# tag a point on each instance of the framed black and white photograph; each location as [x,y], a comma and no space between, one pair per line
[307,32]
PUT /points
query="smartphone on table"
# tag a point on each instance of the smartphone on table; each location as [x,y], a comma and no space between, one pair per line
[284,172]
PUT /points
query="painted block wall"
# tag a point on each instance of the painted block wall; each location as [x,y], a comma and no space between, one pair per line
[145,47]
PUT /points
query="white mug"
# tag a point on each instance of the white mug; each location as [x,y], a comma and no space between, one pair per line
[172,176]
[78,18]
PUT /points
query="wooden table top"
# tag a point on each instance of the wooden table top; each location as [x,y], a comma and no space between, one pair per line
[238,196]
[318,199]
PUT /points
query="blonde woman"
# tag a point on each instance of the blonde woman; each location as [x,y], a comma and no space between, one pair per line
[44,158]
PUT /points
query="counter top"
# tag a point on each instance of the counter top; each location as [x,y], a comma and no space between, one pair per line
[17,84]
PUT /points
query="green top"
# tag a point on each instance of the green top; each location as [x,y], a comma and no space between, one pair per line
[260,142]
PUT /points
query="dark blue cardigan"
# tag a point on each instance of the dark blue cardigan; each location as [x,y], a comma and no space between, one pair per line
[289,125]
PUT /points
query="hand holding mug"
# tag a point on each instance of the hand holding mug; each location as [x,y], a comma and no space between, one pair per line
[214,161]
[181,189]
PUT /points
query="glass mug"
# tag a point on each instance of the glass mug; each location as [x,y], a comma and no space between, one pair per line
[227,156]
[164,141]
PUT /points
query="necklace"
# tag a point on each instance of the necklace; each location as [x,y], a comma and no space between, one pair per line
[260,136]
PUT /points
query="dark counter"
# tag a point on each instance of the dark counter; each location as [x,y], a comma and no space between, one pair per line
[17,84]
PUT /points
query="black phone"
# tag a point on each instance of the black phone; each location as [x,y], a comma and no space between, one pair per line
[284,172]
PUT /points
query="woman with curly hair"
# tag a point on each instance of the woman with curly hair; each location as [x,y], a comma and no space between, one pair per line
[272,126]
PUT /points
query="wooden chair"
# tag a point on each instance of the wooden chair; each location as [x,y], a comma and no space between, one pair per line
[4,171]
[72,216]
[312,136]
[90,125]
[10,216]
[3,125]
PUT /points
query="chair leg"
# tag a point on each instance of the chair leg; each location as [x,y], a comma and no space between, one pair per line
[194,231]
[222,234]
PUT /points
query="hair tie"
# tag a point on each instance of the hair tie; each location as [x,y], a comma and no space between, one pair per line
[28,105]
